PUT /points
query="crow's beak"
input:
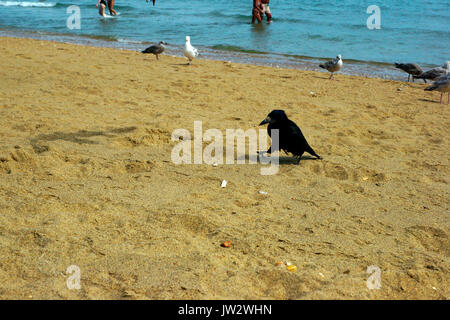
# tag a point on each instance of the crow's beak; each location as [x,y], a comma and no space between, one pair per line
[266,120]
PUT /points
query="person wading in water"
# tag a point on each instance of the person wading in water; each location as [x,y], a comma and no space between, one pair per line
[265,4]
[258,11]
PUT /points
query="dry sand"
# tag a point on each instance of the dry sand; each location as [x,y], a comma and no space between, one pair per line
[86,179]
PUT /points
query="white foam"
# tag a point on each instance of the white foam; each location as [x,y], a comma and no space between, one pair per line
[109,16]
[27,4]
[129,41]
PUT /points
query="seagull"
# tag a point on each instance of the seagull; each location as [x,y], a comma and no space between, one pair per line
[333,66]
[189,51]
[411,68]
[435,73]
[156,49]
[442,85]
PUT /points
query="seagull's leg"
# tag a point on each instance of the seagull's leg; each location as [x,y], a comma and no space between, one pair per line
[157,57]
[441,97]
[331,77]
[448,100]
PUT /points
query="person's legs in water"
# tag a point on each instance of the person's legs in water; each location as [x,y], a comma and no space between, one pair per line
[258,11]
[267,12]
[101,8]
[111,6]
[256,16]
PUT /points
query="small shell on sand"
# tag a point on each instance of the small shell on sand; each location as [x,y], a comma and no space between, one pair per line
[224,183]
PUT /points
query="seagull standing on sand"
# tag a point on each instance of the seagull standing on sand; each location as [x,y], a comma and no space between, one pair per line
[411,69]
[435,73]
[442,85]
[156,49]
[333,66]
[189,51]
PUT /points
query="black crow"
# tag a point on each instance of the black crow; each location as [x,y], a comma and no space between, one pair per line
[156,49]
[291,138]
[152,1]
[411,69]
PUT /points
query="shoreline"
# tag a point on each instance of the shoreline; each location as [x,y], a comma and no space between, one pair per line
[370,69]
[87,179]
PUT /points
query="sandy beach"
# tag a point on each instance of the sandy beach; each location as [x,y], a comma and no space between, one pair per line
[86,179]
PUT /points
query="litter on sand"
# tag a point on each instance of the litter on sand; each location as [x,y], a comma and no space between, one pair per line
[226,244]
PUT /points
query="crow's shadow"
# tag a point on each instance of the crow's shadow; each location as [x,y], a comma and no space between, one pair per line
[281,159]
[80,137]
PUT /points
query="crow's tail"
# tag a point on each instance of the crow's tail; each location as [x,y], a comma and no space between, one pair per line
[312,152]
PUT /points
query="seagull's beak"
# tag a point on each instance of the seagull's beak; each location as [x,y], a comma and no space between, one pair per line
[266,120]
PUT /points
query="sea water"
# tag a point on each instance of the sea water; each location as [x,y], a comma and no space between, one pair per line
[303,33]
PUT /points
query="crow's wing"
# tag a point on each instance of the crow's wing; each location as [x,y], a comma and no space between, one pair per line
[294,135]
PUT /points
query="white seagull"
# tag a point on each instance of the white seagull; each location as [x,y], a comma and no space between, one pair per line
[333,66]
[189,51]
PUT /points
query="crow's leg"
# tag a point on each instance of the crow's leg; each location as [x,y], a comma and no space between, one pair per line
[409,76]
[157,57]
[425,80]
[441,98]
[331,77]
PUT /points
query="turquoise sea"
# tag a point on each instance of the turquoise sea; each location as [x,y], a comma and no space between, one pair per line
[303,32]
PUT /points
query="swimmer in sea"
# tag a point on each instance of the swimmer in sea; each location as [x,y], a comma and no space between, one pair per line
[101,9]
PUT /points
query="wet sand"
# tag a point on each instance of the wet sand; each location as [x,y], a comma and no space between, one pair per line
[86,179]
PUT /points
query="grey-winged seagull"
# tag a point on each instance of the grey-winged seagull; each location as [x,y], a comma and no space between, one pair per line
[156,49]
[333,66]
[411,69]
[435,72]
[442,85]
